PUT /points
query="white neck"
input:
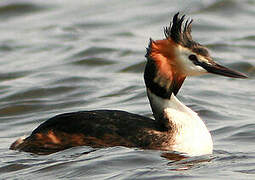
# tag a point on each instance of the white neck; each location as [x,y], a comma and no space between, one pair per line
[190,135]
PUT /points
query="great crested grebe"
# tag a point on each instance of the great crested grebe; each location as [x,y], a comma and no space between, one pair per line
[175,128]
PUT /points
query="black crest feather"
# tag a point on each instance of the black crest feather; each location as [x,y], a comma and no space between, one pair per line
[180,33]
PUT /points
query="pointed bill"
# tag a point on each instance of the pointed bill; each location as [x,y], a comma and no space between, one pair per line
[221,70]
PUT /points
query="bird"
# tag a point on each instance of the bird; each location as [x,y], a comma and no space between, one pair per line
[175,127]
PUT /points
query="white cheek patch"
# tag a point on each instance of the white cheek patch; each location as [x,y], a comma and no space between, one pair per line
[187,66]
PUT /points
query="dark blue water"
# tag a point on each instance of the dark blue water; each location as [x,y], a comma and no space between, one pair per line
[67,56]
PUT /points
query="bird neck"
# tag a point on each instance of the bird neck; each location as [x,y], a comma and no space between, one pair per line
[170,114]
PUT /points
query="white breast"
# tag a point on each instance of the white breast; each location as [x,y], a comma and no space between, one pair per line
[190,133]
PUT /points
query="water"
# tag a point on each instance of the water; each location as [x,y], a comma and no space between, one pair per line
[67,56]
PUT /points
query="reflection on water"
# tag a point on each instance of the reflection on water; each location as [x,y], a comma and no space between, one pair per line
[67,56]
[181,163]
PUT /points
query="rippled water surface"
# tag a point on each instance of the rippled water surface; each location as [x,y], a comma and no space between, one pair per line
[62,56]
